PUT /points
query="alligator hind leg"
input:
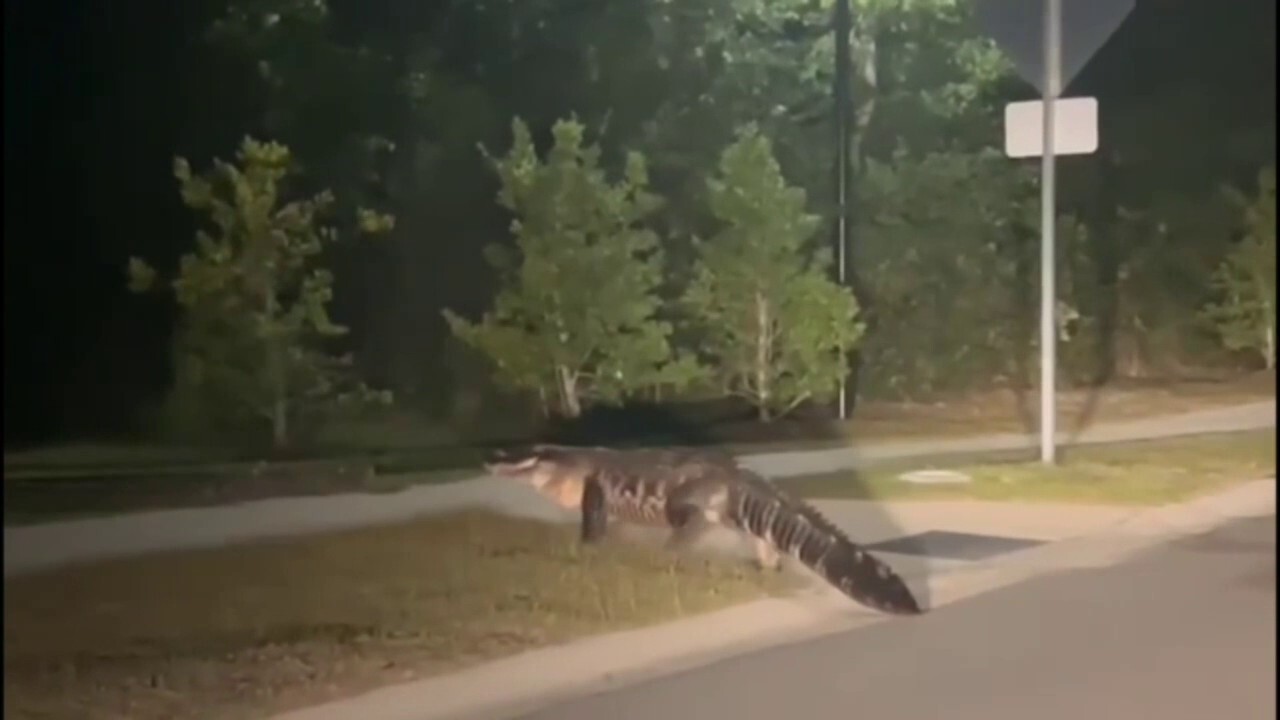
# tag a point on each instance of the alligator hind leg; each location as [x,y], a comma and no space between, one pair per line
[767,556]
[687,526]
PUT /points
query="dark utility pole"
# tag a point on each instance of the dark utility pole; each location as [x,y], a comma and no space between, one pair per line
[842,25]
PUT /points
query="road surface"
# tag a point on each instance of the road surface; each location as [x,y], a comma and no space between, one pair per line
[1184,631]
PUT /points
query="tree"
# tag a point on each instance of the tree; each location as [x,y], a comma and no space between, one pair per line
[577,317]
[324,92]
[773,324]
[925,84]
[1245,314]
[254,302]
[920,72]
[944,247]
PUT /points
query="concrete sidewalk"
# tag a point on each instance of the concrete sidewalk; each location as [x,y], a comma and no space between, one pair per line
[1249,416]
[1081,537]
[32,547]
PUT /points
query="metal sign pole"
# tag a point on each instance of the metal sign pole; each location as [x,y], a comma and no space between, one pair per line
[1048,223]
[1040,59]
[843,23]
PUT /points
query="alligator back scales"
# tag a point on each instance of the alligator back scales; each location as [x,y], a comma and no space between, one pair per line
[690,490]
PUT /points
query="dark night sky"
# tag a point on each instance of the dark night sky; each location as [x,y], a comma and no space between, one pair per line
[96,107]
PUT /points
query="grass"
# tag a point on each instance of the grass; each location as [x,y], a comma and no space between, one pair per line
[254,629]
[1140,473]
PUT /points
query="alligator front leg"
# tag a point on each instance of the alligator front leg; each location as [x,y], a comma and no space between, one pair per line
[595,513]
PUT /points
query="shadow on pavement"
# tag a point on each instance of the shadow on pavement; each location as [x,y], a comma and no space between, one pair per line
[869,524]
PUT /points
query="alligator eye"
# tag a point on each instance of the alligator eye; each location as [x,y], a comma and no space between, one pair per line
[498,455]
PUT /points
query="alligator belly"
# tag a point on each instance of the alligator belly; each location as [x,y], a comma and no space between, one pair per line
[648,514]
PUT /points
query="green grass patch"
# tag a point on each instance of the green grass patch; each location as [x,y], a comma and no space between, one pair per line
[254,629]
[1152,472]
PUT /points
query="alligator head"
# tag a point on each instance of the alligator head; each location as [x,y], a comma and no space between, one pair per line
[557,472]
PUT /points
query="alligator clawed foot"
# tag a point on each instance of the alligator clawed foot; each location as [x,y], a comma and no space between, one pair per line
[766,557]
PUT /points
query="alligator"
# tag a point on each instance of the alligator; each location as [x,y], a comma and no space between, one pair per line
[691,491]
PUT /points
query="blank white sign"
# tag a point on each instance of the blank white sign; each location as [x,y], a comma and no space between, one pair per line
[1075,127]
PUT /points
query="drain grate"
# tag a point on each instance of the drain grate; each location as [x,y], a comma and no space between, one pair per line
[948,545]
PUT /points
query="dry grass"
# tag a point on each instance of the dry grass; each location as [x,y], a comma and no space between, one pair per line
[242,631]
[1143,473]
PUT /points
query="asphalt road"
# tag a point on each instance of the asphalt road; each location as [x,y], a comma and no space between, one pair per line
[1186,630]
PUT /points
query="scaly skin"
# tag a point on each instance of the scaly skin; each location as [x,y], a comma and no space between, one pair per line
[690,491]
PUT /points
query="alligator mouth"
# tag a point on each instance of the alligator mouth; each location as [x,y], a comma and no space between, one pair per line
[507,463]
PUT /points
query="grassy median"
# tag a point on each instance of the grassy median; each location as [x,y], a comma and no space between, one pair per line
[1139,473]
[252,629]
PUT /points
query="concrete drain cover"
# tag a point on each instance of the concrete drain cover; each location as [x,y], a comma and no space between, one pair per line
[935,477]
[948,545]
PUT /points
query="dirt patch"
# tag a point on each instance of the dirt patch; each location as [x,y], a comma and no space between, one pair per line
[254,629]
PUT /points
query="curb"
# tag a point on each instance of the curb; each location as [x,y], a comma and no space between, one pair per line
[523,683]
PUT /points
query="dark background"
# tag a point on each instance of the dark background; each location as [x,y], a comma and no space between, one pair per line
[101,94]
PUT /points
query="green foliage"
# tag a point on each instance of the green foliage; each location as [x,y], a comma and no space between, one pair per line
[1158,280]
[921,76]
[575,320]
[1244,314]
[924,90]
[946,246]
[387,114]
[327,94]
[774,326]
[254,299]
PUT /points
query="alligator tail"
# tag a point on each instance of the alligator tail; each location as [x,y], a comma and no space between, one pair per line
[794,528]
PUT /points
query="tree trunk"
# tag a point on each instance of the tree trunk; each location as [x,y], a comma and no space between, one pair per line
[279,425]
[543,404]
[570,402]
[1267,296]
[864,47]
[763,341]
[762,413]
[276,376]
